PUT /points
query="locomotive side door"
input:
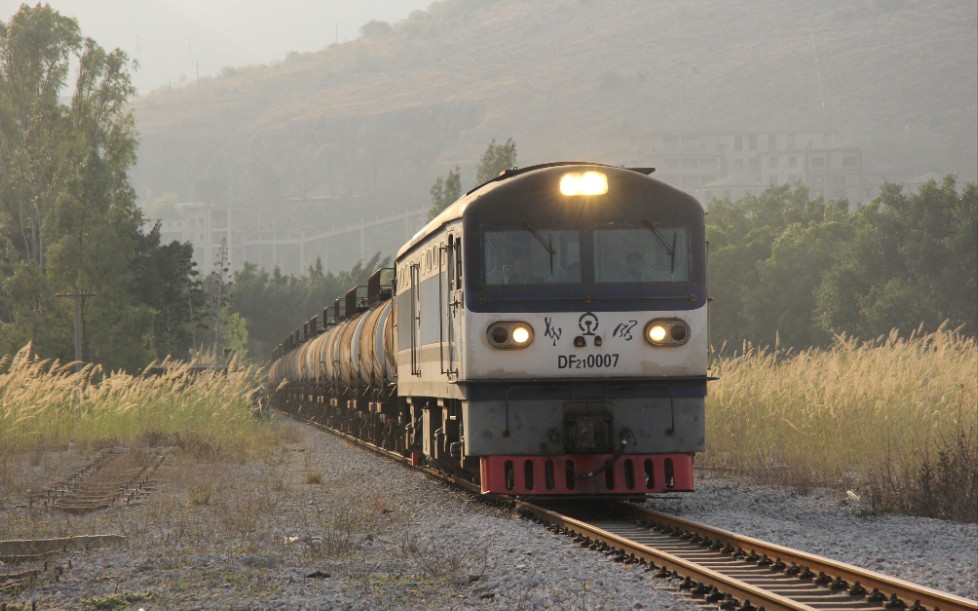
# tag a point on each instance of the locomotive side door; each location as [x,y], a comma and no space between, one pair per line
[416,319]
[448,298]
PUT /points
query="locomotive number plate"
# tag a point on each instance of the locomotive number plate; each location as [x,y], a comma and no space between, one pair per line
[590,361]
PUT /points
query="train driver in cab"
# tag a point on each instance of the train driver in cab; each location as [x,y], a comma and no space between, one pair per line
[519,272]
[635,267]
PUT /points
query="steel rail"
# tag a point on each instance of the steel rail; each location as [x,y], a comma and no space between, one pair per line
[681,567]
[725,589]
[890,586]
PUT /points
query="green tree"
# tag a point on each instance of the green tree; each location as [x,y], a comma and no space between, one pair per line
[165,278]
[912,262]
[234,331]
[275,304]
[95,224]
[496,159]
[266,301]
[786,266]
[67,213]
[445,192]
[785,301]
[36,48]
[762,251]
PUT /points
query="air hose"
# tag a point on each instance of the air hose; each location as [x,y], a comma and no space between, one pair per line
[626,434]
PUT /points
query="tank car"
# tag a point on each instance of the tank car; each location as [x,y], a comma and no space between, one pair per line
[545,335]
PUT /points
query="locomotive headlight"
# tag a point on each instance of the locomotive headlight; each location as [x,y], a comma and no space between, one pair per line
[584,183]
[657,333]
[667,332]
[521,335]
[510,334]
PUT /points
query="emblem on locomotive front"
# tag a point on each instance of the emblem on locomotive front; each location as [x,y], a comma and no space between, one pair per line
[588,323]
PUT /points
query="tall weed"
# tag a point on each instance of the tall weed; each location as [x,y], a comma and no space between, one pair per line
[894,419]
[46,404]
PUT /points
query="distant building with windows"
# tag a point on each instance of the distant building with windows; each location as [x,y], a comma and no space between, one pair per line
[734,164]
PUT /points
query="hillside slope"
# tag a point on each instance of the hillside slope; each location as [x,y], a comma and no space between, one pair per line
[378,118]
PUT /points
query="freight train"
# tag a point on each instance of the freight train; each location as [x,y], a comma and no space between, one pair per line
[545,335]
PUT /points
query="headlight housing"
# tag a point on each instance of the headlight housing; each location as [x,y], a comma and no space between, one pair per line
[510,334]
[667,332]
[584,183]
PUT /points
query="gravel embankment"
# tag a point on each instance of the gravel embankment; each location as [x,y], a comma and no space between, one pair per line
[325,525]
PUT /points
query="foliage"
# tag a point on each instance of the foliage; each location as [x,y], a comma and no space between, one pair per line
[68,218]
[893,419]
[496,159]
[913,260]
[275,304]
[164,277]
[445,192]
[234,331]
[794,271]
[36,47]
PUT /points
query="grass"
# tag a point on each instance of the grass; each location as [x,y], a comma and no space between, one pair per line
[115,602]
[48,405]
[895,420]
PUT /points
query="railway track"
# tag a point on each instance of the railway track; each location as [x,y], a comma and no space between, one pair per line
[117,476]
[733,571]
[718,568]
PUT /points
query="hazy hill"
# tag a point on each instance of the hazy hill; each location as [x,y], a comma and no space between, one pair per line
[379,118]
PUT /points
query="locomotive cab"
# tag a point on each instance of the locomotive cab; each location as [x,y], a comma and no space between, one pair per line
[572,357]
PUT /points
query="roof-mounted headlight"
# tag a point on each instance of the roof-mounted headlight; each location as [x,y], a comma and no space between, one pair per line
[584,183]
[510,334]
[667,332]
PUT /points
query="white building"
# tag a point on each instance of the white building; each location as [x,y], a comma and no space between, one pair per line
[733,164]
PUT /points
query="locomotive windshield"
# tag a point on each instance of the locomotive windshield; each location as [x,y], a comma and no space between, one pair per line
[646,254]
[639,252]
[532,256]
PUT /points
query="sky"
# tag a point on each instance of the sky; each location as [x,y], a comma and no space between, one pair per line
[177,40]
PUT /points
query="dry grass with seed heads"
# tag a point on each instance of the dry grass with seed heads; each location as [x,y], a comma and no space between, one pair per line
[47,404]
[894,419]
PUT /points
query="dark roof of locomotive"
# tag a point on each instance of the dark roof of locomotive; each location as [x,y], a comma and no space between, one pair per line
[515,179]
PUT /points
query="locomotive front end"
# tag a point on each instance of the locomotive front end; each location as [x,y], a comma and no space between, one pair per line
[582,364]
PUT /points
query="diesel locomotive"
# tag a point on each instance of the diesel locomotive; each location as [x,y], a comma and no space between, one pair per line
[545,335]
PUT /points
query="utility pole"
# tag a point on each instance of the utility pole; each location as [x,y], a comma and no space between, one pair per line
[78,330]
[221,266]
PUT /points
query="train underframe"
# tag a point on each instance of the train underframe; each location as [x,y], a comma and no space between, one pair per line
[430,430]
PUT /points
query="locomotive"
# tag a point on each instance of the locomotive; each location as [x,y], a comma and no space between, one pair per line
[545,335]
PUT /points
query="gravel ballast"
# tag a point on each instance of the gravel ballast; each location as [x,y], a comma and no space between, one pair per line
[322,524]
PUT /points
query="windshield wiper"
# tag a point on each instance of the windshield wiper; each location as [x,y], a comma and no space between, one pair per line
[547,245]
[671,251]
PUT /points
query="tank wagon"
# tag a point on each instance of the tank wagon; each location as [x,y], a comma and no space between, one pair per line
[546,335]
